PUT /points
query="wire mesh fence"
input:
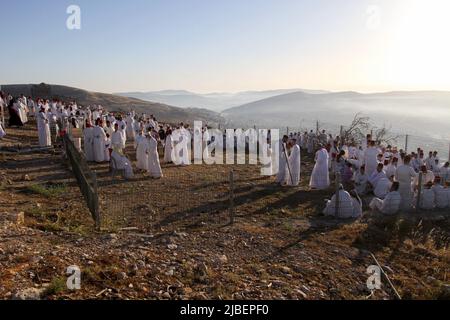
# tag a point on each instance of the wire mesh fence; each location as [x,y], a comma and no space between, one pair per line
[86,179]
[185,197]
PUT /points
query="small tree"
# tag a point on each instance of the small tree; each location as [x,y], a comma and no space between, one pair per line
[384,136]
[357,129]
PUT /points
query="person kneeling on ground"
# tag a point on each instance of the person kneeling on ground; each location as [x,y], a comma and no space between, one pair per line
[391,203]
[345,207]
[440,194]
[122,163]
[427,197]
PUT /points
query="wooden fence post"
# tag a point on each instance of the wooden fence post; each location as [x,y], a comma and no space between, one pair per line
[96,204]
[231,208]
[419,191]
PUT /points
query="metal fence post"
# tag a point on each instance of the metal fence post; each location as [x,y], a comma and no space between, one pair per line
[338,176]
[231,208]
[419,191]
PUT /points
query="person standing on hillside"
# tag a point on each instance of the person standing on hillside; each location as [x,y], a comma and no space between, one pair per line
[282,162]
[370,158]
[404,175]
[151,149]
[130,122]
[168,147]
[43,129]
[320,177]
[117,142]
[88,137]
[141,155]
[293,178]
[99,139]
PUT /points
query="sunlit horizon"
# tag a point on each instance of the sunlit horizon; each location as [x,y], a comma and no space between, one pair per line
[234,46]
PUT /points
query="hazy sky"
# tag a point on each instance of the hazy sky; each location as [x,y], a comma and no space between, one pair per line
[228,45]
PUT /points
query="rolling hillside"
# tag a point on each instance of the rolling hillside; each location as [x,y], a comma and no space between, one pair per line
[115,103]
[213,101]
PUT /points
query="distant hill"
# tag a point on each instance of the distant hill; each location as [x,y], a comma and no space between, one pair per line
[213,101]
[115,103]
[418,112]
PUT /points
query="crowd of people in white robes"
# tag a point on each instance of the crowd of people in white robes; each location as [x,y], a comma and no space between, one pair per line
[387,174]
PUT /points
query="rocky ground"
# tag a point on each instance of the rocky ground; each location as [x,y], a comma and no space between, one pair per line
[170,238]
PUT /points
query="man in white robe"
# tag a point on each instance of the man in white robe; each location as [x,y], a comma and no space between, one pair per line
[293,179]
[427,177]
[141,155]
[444,173]
[185,142]
[282,162]
[427,198]
[117,139]
[360,178]
[404,175]
[320,177]
[370,158]
[131,134]
[376,176]
[154,167]
[391,168]
[45,139]
[108,148]
[99,139]
[391,203]
[168,147]
[440,194]
[88,137]
[345,208]
[383,187]
[122,163]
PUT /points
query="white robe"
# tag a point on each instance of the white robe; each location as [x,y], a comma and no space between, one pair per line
[346,203]
[123,163]
[99,138]
[370,160]
[45,139]
[441,196]
[117,141]
[361,182]
[383,187]
[294,165]
[107,147]
[154,167]
[88,135]
[404,176]
[390,205]
[131,134]
[141,155]
[282,163]
[427,199]
[185,154]
[320,177]
[168,149]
